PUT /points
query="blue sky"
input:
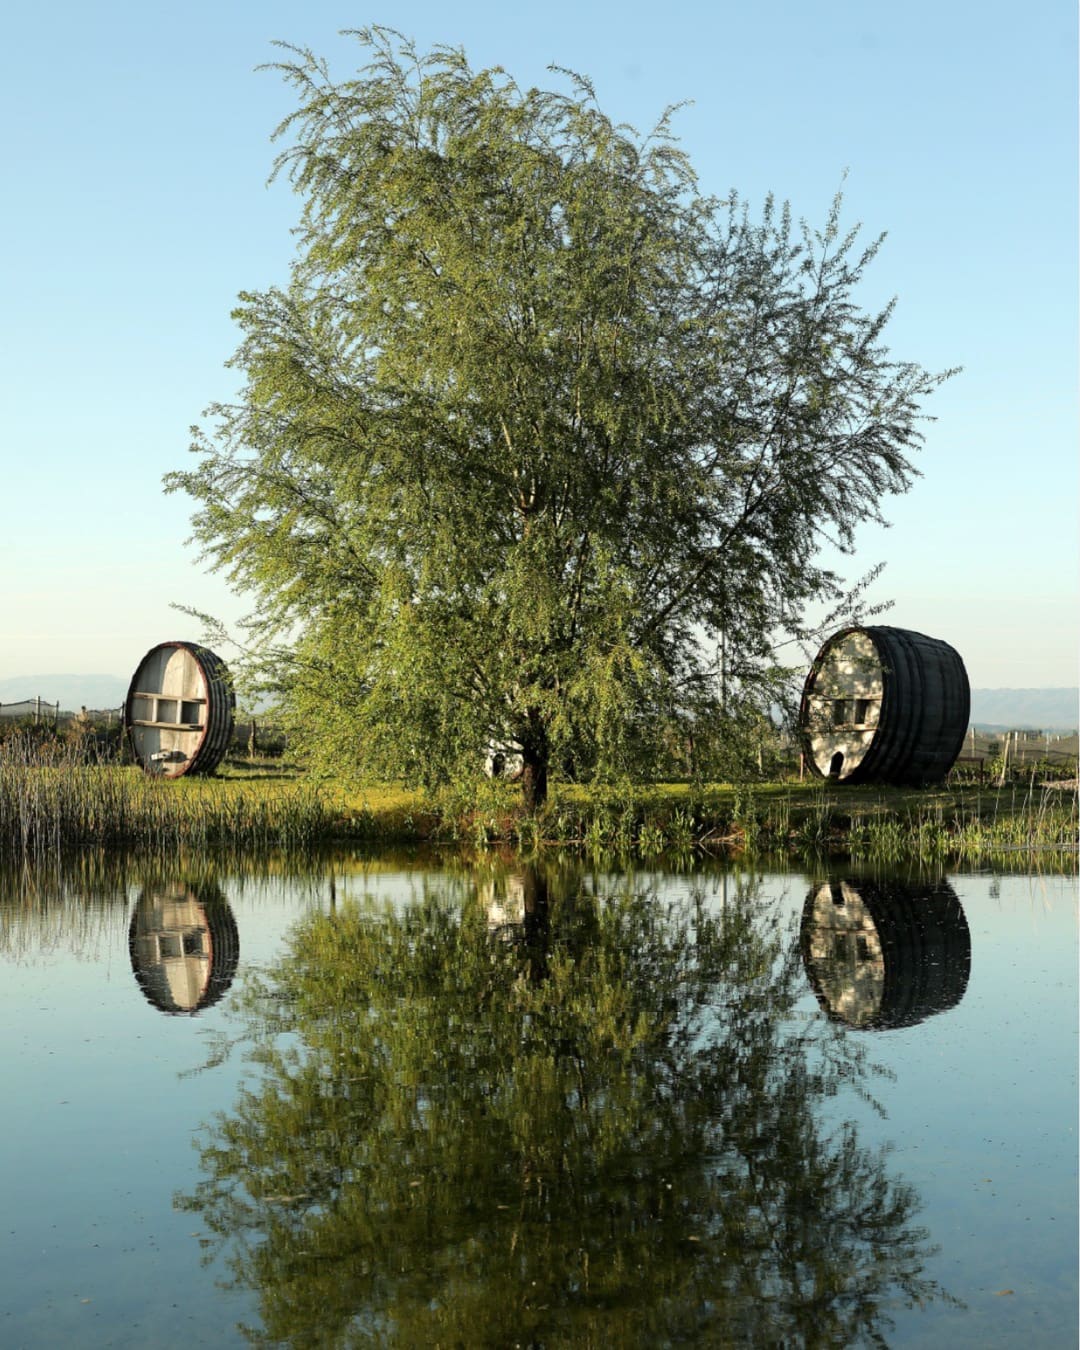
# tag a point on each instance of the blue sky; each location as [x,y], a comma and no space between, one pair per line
[136,158]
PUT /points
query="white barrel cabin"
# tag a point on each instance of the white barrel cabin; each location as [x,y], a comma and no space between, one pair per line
[884,954]
[179,710]
[884,705]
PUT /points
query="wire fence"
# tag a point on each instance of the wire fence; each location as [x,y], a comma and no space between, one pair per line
[41,712]
[104,726]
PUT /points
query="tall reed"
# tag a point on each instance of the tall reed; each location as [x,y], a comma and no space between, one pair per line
[53,802]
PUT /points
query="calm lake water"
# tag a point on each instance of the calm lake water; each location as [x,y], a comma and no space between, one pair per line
[428,1103]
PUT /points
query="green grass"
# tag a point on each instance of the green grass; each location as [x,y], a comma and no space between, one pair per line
[51,803]
[969,824]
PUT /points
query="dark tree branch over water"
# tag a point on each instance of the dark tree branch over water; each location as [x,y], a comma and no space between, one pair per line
[607,1131]
[535,423]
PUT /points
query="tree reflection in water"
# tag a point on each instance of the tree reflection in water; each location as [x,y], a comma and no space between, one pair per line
[605,1130]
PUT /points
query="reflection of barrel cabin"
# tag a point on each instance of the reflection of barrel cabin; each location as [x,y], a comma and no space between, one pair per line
[884,705]
[502,898]
[184,946]
[885,954]
[179,711]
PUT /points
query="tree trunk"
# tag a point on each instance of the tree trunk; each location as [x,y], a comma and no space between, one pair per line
[537,921]
[534,769]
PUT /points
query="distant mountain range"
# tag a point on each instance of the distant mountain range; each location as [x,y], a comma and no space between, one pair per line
[1017,709]
[999,709]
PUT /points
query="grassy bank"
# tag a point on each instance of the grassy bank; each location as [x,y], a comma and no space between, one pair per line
[52,803]
[962,824]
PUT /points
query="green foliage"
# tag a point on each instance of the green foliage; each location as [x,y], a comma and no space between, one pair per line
[534,426]
[599,1124]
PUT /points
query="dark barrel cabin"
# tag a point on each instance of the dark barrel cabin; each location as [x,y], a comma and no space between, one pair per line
[180,709]
[884,705]
[184,947]
[885,954]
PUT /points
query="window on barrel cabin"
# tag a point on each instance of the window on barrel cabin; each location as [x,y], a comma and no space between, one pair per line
[843,710]
[862,711]
[193,942]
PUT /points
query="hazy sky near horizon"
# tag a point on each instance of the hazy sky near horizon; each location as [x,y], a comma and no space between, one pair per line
[138,149]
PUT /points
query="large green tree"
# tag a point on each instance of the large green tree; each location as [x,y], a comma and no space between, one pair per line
[534,422]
